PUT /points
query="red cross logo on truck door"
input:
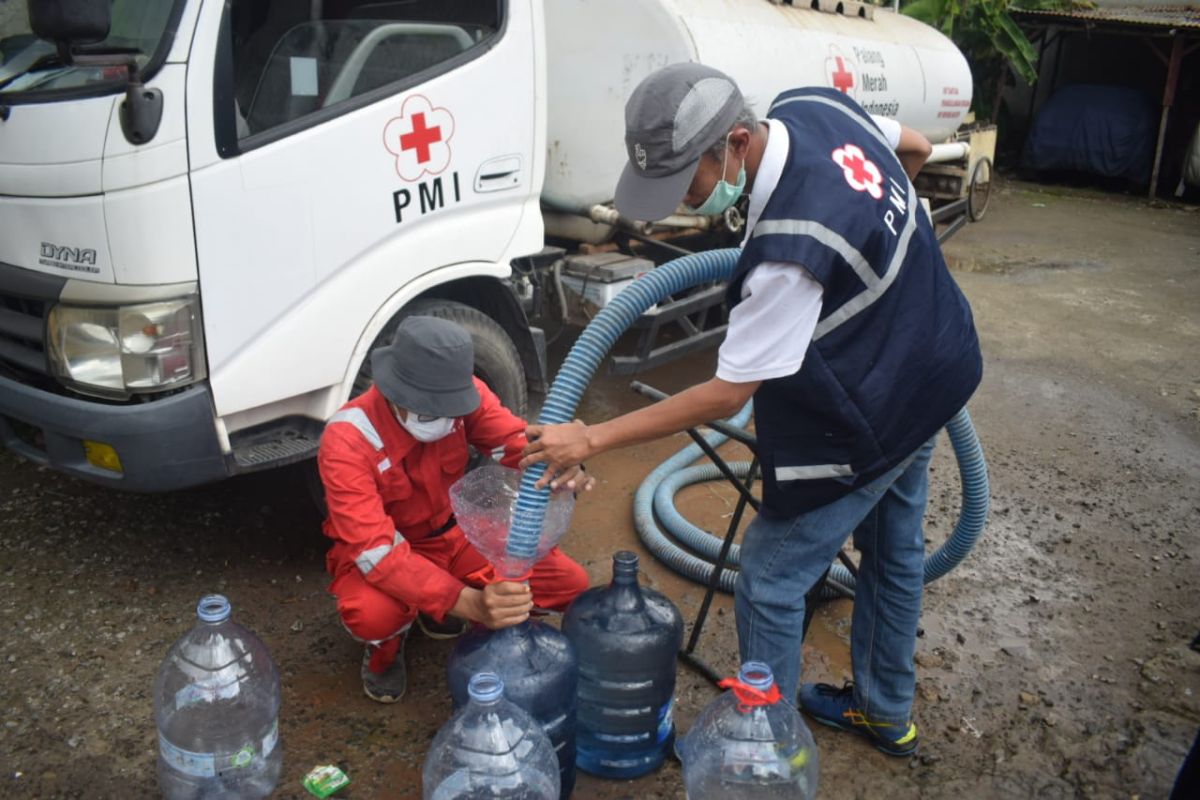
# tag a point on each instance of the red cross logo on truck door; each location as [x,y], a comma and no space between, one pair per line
[859,171]
[842,72]
[419,138]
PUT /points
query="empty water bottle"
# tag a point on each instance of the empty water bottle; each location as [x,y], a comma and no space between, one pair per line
[627,638]
[216,704]
[490,748]
[540,673]
[749,743]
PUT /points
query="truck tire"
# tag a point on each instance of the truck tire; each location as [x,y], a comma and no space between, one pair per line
[497,363]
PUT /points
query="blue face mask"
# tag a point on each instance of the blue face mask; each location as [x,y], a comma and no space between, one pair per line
[724,194]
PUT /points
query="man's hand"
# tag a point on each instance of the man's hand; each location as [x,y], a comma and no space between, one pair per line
[561,447]
[497,605]
[573,479]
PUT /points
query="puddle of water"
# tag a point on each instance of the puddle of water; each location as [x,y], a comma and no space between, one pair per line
[827,646]
[1008,266]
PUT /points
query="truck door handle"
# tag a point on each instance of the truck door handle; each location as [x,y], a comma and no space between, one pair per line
[498,174]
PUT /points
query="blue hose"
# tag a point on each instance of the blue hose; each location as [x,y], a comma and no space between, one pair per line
[586,355]
[656,541]
[658,520]
[654,500]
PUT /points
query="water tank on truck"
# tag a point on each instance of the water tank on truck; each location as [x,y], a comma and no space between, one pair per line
[894,66]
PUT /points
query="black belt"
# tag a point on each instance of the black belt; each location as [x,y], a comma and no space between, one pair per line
[450,523]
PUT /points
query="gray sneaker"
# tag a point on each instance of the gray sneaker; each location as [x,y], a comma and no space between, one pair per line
[389,686]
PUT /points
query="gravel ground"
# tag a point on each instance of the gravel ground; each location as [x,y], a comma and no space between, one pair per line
[1054,662]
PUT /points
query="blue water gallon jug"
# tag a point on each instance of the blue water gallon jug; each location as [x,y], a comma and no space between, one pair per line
[216,705]
[749,744]
[540,672]
[490,748]
[627,637]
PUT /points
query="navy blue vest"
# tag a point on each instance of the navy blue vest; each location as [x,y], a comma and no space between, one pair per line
[894,355]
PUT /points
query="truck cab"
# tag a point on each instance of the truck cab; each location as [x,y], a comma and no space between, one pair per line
[195,304]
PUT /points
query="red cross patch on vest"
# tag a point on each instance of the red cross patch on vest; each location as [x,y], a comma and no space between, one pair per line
[859,171]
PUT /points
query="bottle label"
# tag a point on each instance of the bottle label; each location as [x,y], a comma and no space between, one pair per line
[200,765]
[666,720]
[207,765]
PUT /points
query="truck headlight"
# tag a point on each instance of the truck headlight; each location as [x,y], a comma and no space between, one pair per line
[117,352]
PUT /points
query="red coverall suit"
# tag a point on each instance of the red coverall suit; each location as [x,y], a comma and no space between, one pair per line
[388,496]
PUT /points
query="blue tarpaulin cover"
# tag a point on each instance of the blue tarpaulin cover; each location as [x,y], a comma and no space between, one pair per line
[1106,130]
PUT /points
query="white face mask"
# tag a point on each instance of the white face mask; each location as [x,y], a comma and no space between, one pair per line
[429,430]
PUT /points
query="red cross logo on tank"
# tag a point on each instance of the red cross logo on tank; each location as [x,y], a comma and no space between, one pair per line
[842,72]
[419,143]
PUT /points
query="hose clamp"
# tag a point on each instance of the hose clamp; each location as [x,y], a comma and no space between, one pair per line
[734,220]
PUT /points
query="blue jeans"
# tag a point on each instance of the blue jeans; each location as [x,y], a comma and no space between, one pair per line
[782,559]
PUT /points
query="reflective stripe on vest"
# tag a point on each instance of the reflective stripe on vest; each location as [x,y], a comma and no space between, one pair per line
[875,286]
[814,472]
[369,559]
[358,418]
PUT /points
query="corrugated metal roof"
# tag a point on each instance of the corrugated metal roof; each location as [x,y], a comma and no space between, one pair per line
[1150,16]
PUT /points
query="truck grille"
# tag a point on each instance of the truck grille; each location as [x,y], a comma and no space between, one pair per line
[23,335]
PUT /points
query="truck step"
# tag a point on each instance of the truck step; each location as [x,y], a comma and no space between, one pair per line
[282,446]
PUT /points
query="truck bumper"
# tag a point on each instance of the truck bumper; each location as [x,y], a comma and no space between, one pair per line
[166,444]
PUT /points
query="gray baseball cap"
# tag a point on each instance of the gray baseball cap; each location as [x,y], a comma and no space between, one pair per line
[671,118]
[428,368]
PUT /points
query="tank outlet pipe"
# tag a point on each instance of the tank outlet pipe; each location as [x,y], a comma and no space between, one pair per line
[607,215]
[949,151]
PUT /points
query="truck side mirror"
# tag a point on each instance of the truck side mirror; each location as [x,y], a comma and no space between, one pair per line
[70,22]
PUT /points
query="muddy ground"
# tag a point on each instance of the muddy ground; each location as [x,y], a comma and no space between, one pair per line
[1054,662]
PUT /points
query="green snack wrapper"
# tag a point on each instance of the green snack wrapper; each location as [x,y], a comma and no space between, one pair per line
[325,780]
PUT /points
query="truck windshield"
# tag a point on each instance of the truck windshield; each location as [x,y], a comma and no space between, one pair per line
[29,64]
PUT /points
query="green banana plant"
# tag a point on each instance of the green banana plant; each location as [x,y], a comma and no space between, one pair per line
[987,34]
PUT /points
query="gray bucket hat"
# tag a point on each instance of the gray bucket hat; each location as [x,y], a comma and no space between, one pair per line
[428,367]
[671,118]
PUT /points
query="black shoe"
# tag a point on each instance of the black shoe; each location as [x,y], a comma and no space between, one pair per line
[389,686]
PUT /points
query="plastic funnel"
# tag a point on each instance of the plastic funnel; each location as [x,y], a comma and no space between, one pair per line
[484,501]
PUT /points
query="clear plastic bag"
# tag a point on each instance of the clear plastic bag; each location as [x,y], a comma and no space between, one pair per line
[484,500]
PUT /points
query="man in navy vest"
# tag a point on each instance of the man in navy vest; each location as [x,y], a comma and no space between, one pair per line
[854,341]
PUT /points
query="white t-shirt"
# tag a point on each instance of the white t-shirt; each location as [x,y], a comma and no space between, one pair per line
[770,330]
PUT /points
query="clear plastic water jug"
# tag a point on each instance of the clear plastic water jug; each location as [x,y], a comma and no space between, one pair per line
[748,744]
[216,704]
[540,672]
[627,638]
[490,749]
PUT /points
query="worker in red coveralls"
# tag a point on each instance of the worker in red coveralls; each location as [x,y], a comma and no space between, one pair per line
[388,459]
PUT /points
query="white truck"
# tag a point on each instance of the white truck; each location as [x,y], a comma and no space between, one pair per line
[212,210]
